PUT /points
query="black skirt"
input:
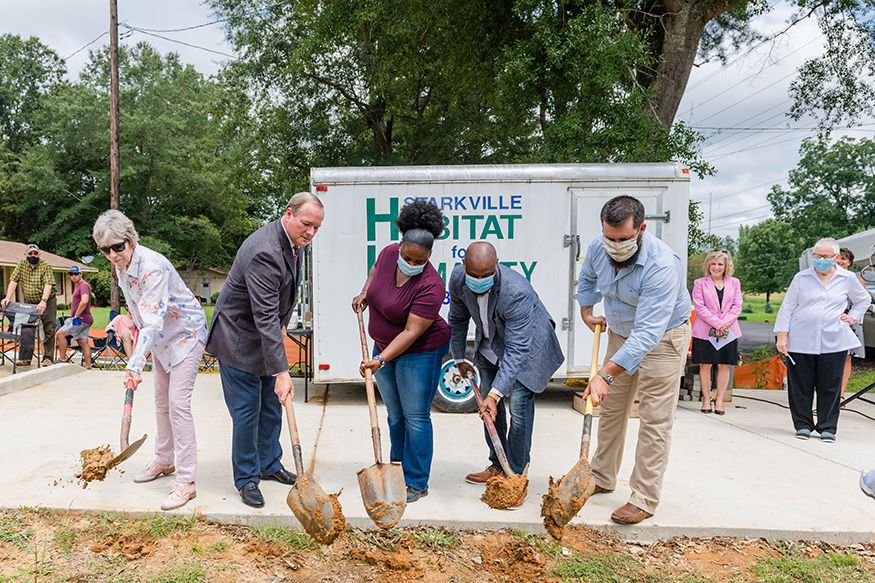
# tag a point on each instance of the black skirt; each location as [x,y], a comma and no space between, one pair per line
[705,353]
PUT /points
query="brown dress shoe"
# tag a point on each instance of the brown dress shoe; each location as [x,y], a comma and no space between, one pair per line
[629,514]
[599,490]
[482,477]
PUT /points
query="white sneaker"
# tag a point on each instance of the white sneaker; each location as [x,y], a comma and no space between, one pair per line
[153,471]
[867,482]
[182,493]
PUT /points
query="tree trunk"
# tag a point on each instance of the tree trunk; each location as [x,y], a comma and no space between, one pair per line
[672,30]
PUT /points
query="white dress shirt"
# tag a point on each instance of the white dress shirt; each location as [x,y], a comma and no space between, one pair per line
[811,312]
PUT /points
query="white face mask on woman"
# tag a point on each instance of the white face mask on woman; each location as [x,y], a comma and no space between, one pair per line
[620,250]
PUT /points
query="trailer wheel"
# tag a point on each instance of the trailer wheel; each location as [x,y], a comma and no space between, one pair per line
[453,393]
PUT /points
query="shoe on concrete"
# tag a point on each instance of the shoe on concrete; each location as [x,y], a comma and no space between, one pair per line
[867,483]
[522,500]
[182,493]
[152,471]
[22,363]
[413,494]
[629,514]
[251,495]
[803,434]
[599,490]
[483,477]
[283,476]
[828,437]
[48,362]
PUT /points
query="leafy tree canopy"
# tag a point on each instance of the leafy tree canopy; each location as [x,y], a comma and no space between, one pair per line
[768,256]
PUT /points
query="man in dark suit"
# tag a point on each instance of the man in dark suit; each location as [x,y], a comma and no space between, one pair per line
[515,347]
[247,334]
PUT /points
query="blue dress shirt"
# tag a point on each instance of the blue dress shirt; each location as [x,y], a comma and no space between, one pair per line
[642,300]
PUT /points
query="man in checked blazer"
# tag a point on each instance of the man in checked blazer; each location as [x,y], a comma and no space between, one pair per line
[247,334]
[516,349]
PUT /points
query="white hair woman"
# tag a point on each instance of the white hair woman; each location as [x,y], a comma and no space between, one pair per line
[173,327]
[815,333]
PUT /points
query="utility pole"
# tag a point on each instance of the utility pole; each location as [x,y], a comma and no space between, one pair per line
[114,161]
[710,213]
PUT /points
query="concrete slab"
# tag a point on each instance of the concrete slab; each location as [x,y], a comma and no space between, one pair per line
[743,474]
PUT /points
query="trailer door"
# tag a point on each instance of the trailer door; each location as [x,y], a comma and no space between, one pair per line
[586,205]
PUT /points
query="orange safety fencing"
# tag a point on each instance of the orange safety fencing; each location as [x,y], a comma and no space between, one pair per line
[745,377]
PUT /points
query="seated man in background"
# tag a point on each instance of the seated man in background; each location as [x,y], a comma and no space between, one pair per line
[123,326]
[80,320]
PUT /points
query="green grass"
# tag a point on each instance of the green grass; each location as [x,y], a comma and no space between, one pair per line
[435,539]
[758,302]
[600,568]
[860,380]
[101,315]
[831,567]
[14,530]
[190,572]
[293,539]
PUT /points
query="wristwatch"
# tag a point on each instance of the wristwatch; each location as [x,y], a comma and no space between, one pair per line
[608,378]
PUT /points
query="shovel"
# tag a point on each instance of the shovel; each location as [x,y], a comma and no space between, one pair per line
[565,498]
[384,491]
[128,449]
[502,492]
[319,513]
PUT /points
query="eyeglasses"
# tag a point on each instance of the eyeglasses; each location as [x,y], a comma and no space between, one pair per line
[118,247]
[33,254]
[819,256]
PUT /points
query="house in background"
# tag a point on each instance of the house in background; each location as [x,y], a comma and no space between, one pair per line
[203,283]
[11,253]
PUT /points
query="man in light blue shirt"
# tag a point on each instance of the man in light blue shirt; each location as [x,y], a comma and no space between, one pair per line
[647,310]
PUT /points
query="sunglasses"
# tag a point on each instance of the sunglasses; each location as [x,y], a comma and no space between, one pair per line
[33,254]
[118,247]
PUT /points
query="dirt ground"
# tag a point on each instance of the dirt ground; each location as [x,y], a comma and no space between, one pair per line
[42,545]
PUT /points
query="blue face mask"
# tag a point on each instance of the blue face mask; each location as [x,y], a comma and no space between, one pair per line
[823,264]
[479,286]
[409,270]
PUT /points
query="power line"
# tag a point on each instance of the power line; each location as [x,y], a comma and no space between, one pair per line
[744,211]
[221,20]
[742,220]
[77,51]
[180,42]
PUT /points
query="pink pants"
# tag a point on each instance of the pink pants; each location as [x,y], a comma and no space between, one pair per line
[173,415]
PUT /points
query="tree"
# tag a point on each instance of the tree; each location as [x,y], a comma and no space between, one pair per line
[445,82]
[832,190]
[698,240]
[768,257]
[28,70]
[178,173]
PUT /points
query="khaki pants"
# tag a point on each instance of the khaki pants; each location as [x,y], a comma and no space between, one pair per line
[657,384]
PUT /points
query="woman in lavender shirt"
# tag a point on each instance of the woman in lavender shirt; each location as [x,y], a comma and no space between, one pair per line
[173,327]
[405,293]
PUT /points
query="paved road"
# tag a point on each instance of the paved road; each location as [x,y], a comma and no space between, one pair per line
[754,334]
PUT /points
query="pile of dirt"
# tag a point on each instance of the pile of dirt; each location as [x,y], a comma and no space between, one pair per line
[95,464]
[503,492]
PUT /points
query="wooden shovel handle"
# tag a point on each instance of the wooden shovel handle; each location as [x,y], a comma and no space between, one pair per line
[372,398]
[293,432]
[126,415]
[587,417]
[490,428]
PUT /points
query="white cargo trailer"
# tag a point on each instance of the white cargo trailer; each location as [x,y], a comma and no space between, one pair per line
[540,217]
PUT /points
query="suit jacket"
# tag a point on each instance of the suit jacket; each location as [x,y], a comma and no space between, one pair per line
[522,332]
[709,314]
[255,303]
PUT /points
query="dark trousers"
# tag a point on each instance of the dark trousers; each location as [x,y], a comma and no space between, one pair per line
[516,437]
[812,374]
[257,418]
[28,335]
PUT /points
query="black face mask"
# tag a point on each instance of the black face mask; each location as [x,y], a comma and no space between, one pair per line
[32,259]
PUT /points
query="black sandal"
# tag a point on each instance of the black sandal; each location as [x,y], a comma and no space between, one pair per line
[705,410]
[718,412]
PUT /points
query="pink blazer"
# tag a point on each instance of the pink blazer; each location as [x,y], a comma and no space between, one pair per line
[708,312]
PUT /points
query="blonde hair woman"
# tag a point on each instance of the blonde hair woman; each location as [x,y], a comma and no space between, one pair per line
[717,301]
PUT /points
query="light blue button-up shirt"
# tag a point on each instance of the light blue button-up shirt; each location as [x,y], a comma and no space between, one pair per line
[642,301]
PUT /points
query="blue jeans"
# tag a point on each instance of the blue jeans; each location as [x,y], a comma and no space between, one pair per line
[407,385]
[257,421]
[516,439]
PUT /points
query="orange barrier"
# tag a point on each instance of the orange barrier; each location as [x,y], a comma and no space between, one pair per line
[745,376]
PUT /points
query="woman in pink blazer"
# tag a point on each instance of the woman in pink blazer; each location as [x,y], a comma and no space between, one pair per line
[717,300]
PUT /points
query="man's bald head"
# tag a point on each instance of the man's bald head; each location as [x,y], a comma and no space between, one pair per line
[480,260]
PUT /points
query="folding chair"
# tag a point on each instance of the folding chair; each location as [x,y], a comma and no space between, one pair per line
[209,362]
[108,351]
[71,345]
[18,325]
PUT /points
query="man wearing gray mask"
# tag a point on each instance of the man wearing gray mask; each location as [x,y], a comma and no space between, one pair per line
[647,309]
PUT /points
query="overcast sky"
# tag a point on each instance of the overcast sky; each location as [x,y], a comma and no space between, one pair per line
[749,92]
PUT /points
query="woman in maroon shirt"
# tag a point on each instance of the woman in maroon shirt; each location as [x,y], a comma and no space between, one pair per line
[405,294]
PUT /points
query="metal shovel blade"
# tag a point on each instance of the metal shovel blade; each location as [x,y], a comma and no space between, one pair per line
[565,498]
[384,493]
[128,452]
[318,513]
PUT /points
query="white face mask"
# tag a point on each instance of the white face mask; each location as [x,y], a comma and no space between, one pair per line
[620,250]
